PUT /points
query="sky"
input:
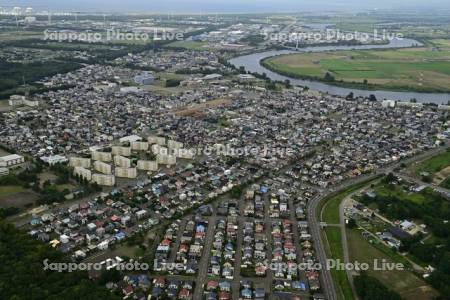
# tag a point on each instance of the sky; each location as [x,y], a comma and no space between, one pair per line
[199,6]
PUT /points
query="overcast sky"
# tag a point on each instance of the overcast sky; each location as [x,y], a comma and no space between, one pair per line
[197,6]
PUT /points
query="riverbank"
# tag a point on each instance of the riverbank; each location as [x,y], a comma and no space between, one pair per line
[251,63]
[419,69]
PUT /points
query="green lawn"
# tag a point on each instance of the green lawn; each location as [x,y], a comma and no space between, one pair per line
[421,69]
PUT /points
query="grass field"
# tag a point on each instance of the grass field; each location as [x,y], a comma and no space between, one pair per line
[330,208]
[335,251]
[404,282]
[16,196]
[398,192]
[434,164]
[10,190]
[191,45]
[418,69]
[438,167]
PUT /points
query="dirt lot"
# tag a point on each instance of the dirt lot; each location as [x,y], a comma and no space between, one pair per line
[197,109]
[13,196]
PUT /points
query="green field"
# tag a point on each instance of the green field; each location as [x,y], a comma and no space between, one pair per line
[404,282]
[10,190]
[434,164]
[335,251]
[329,211]
[438,168]
[417,69]
[191,45]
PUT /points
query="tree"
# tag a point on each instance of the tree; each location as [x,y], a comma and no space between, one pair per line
[172,82]
[22,273]
[328,77]
[287,84]
[351,223]
[370,288]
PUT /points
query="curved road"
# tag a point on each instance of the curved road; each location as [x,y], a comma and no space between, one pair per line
[314,222]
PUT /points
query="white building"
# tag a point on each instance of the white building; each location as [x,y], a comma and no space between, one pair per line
[83,172]
[139,146]
[4,171]
[102,179]
[54,159]
[122,161]
[156,140]
[102,167]
[12,160]
[166,159]
[119,150]
[126,172]
[102,156]
[80,162]
[18,100]
[388,103]
[174,144]
[147,165]
[130,139]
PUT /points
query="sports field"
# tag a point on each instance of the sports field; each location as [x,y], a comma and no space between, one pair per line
[416,69]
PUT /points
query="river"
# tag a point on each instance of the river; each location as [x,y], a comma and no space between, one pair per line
[251,63]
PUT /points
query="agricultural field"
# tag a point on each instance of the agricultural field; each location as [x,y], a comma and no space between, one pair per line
[424,69]
[404,282]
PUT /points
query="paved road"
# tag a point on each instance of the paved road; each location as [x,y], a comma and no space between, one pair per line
[314,223]
[203,265]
